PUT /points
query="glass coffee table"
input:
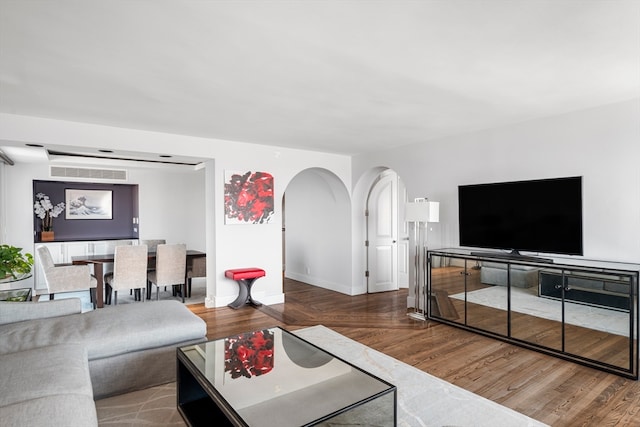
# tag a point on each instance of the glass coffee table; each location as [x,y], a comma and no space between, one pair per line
[271,377]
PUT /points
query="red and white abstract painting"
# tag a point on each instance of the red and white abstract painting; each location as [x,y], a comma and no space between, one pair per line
[248,197]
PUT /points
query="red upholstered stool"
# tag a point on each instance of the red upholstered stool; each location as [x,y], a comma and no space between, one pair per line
[245,278]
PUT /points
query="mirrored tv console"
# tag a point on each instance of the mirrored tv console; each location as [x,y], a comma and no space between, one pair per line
[581,310]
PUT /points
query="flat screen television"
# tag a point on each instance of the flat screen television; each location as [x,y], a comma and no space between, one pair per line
[536,216]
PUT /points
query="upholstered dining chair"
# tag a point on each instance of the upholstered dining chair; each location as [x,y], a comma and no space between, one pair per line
[129,272]
[152,245]
[65,278]
[170,269]
[109,248]
[197,268]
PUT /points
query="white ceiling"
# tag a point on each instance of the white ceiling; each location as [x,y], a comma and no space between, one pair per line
[337,76]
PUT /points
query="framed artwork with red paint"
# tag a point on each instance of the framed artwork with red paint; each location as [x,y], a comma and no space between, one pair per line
[248,197]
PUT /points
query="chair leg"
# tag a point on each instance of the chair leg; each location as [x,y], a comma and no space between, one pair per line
[115,297]
[157,293]
[107,296]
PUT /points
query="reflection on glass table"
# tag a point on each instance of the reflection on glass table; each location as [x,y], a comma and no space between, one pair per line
[16,295]
[17,278]
[13,288]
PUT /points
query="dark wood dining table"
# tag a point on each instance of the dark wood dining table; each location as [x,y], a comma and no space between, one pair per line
[98,262]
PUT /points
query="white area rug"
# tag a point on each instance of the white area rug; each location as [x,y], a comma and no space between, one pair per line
[423,400]
[198,295]
[526,301]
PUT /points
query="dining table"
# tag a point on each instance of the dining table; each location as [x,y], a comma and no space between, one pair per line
[98,262]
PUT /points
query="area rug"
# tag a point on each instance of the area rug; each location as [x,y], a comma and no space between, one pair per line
[526,301]
[198,295]
[423,400]
[154,406]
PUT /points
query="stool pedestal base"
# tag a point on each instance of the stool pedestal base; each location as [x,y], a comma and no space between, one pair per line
[244,296]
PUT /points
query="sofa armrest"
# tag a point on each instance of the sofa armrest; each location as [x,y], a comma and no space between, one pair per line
[11,312]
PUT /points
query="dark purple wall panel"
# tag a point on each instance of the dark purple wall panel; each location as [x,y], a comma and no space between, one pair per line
[125,208]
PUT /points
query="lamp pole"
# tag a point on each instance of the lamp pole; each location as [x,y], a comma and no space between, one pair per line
[418,212]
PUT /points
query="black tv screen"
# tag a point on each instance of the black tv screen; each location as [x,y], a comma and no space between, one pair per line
[537,216]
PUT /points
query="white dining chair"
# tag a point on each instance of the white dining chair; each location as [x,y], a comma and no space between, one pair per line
[129,272]
[170,269]
[65,278]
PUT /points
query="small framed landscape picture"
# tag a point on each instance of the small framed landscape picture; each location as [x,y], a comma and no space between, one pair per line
[88,204]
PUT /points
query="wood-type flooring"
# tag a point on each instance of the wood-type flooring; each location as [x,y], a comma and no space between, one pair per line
[551,390]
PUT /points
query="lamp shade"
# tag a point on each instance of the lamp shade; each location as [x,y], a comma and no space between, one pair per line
[422,212]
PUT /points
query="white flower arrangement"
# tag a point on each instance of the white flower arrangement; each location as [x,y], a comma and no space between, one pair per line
[46,210]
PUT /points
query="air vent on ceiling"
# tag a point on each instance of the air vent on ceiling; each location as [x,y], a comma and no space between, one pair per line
[88,173]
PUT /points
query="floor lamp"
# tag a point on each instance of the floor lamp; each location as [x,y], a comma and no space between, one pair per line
[421,211]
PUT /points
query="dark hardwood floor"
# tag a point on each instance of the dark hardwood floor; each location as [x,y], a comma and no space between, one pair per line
[554,391]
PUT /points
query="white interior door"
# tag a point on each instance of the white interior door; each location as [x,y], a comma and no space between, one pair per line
[382,230]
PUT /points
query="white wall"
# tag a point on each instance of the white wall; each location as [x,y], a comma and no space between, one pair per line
[172,205]
[601,144]
[227,246]
[318,231]
[16,213]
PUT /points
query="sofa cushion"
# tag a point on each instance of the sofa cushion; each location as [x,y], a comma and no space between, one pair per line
[580,282]
[519,277]
[42,372]
[504,265]
[109,331]
[11,312]
[69,410]
[617,287]
[47,386]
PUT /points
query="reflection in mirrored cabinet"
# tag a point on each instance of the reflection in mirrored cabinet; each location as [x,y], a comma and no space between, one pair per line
[581,310]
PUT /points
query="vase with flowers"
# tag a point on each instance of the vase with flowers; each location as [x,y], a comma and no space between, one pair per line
[46,211]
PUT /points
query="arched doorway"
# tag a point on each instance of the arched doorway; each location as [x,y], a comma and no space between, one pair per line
[317,230]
